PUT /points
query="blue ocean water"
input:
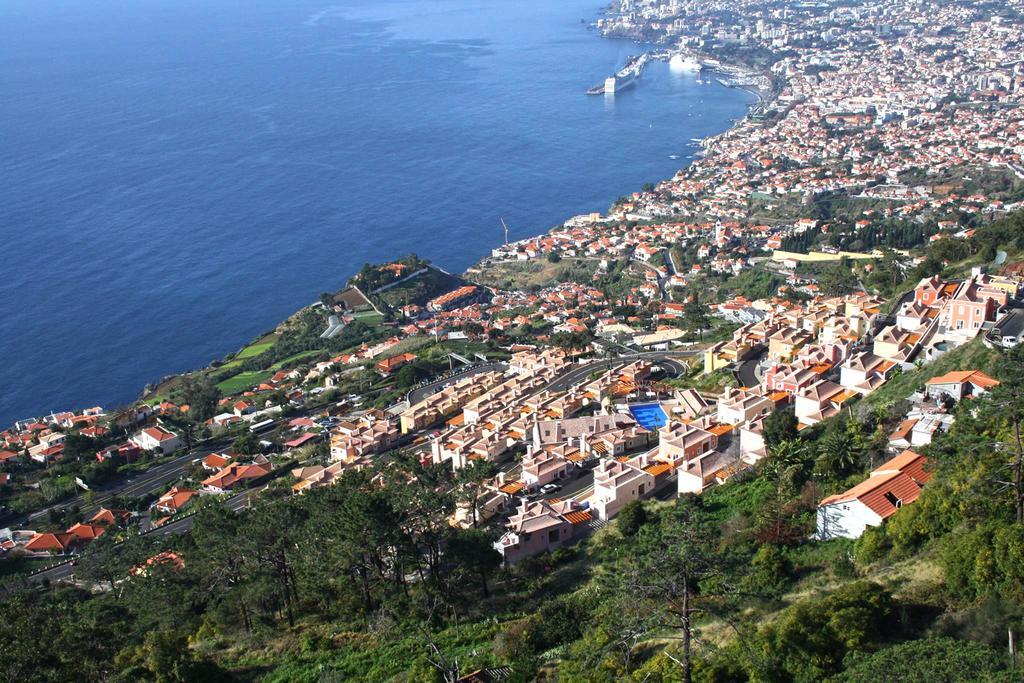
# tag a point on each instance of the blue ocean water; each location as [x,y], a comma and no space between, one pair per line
[177,177]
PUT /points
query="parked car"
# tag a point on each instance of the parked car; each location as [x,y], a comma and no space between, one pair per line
[549,488]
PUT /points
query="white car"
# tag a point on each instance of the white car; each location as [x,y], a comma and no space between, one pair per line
[549,488]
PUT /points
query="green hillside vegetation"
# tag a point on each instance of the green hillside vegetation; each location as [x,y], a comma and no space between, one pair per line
[369,582]
[973,356]
[535,274]
[420,289]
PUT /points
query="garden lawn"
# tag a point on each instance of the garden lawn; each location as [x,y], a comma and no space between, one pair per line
[250,351]
[243,381]
[290,359]
[371,318]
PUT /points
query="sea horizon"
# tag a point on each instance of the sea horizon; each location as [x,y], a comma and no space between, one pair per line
[161,217]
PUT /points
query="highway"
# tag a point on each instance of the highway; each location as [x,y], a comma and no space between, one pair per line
[664,358]
[140,484]
[180,526]
[155,479]
[564,381]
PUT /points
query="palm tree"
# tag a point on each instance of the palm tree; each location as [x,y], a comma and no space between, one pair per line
[837,454]
[781,467]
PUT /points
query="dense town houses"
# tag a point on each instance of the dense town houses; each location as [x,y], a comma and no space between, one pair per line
[888,103]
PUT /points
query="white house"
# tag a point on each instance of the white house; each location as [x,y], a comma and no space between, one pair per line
[869,503]
[543,467]
[752,446]
[617,483]
[819,401]
[737,406]
[157,439]
[713,467]
[960,384]
[927,425]
[865,372]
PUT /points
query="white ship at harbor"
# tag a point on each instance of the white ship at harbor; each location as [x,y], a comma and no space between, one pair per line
[680,63]
[618,82]
[624,78]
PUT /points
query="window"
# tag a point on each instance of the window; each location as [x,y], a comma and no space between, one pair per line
[891,497]
[553,536]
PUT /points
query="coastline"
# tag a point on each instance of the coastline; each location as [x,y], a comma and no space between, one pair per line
[137,389]
[480,265]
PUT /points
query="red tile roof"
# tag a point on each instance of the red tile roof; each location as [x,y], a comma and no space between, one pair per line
[914,465]
[54,543]
[976,377]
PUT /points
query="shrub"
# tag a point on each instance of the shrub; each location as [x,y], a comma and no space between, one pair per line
[632,516]
[925,661]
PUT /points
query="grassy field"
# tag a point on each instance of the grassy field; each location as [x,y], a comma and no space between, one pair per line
[243,381]
[371,318]
[291,359]
[254,349]
[973,355]
[535,273]
[246,380]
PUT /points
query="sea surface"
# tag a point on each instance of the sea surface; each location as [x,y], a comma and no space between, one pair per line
[176,177]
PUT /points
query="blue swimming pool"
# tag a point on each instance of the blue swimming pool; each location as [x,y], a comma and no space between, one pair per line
[649,415]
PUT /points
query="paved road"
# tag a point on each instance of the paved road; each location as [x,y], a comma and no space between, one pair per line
[180,526]
[139,484]
[155,479]
[746,373]
[420,393]
[584,480]
[663,358]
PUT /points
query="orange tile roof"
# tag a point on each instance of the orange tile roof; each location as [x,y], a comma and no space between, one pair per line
[658,469]
[901,478]
[973,376]
[512,488]
[910,463]
[578,516]
[49,542]
[903,430]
